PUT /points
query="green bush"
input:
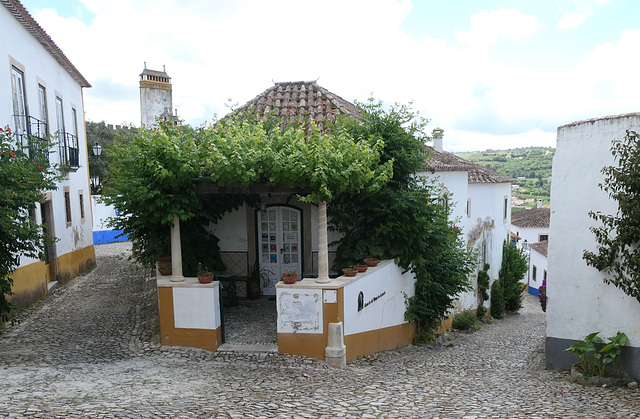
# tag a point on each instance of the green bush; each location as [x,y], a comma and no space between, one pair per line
[497,300]
[515,264]
[483,282]
[464,320]
[481,311]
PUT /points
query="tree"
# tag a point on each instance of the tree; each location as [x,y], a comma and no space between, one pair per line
[618,238]
[24,176]
[155,172]
[515,264]
[405,219]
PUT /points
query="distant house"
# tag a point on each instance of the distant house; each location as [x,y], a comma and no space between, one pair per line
[531,231]
[481,201]
[580,302]
[41,100]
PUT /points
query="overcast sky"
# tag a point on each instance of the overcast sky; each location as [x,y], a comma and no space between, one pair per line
[493,73]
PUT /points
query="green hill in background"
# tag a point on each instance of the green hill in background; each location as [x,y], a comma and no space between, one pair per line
[531,167]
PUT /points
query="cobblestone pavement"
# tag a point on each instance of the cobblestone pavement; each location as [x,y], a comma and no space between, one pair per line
[90,349]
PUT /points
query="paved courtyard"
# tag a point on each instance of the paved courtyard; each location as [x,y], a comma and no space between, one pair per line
[91,349]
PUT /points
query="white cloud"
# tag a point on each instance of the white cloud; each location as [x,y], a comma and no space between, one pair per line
[571,20]
[488,26]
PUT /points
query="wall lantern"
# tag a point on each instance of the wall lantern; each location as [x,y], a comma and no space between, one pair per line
[97,150]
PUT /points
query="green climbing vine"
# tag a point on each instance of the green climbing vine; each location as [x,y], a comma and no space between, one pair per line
[618,238]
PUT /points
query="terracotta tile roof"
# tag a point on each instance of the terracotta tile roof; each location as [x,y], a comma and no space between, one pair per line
[300,99]
[22,15]
[540,247]
[534,218]
[443,161]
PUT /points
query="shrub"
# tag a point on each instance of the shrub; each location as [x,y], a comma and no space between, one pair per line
[464,320]
[497,300]
[595,357]
[483,282]
[542,295]
[515,264]
[481,312]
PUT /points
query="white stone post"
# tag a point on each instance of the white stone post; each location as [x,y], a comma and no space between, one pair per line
[335,354]
[176,251]
[323,245]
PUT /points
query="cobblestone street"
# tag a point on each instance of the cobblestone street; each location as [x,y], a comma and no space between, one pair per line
[91,349]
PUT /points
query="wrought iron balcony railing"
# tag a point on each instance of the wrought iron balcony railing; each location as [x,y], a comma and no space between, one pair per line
[68,148]
[32,136]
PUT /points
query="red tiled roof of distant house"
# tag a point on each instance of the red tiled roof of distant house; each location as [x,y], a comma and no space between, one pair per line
[443,161]
[534,218]
[540,247]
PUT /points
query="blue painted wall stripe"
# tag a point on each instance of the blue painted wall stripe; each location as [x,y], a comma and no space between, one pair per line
[109,236]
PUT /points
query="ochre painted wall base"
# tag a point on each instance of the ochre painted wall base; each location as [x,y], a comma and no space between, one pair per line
[209,339]
[30,281]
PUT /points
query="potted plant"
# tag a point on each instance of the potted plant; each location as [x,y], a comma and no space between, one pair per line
[164,265]
[371,262]
[290,277]
[361,268]
[205,274]
[350,271]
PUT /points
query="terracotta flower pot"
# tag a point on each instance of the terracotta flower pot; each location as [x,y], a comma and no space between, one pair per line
[165,268]
[371,262]
[205,279]
[289,278]
[361,268]
[350,271]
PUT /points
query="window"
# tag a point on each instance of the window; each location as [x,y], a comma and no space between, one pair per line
[60,119]
[444,198]
[81,199]
[468,207]
[74,115]
[19,102]
[67,205]
[543,237]
[506,208]
[534,272]
[44,111]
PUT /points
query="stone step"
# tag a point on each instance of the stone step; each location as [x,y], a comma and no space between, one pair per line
[249,348]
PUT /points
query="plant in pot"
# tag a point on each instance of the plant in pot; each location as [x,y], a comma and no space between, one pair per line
[371,261]
[290,277]
[351,271]
[361,268]
[253,283]
[205,274]
[164,265]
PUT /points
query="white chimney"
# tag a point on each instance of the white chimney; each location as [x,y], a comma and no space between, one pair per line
[539,204]
[437,139]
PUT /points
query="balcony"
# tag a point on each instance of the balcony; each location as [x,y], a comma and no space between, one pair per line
[68,148]
[32,136]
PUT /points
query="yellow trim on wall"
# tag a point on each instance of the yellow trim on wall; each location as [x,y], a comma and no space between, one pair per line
[170,335]
[72,264]
[29,284]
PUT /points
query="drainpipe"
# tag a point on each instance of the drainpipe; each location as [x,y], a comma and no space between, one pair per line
[323,245]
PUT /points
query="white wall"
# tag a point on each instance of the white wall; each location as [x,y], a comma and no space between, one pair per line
[382,293]
[579,301]
[231,229]
[19,48]
[540,262]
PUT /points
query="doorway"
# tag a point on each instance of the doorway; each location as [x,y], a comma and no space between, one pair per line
[50,257]
[279,251]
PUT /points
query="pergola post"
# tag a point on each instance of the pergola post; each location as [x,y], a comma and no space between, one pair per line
[176,251]
[323,245]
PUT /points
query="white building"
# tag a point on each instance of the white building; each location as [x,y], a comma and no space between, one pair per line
[580,302]
[531,229]
[481,207]
[41,98]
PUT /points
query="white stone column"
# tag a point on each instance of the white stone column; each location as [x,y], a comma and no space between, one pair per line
[176,251]
[323,245]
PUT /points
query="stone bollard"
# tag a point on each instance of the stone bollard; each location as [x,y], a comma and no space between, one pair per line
[335,354]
